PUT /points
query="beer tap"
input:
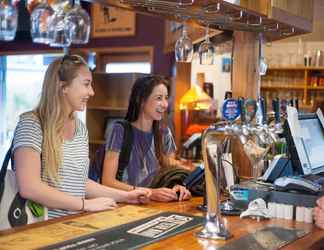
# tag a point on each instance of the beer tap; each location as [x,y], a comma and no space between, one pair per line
[214,227]
[276,108]
[244,127]
[264,133]
[216,135]
[264,129]
[250,109]
[294,103]
[242,131]
[270,133]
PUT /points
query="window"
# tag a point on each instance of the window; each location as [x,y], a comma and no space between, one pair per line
[19,73]
[125,60]
[129,67]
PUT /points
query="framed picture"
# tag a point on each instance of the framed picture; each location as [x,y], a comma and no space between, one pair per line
[226,64]
[111,21]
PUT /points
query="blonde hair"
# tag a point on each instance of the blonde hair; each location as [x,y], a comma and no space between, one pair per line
[51,111]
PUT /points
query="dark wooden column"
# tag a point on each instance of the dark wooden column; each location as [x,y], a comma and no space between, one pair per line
[245,77]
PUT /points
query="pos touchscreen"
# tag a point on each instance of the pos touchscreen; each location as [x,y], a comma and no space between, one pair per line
[305,140]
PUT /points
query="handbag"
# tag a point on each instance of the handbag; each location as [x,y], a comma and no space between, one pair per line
[15,210]
[171,176]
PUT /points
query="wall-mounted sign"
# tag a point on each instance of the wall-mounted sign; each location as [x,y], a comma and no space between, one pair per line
[112,22]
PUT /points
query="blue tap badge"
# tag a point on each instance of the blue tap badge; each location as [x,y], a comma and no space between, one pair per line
[231,110]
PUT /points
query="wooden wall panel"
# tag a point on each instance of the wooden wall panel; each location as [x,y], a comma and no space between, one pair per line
[245,64]
[245,79]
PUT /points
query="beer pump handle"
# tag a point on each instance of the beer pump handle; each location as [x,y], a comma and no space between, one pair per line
[276,109]
[263,106]
[296,102]
[242,109]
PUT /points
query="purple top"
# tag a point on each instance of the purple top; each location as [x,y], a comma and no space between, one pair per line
[143,164]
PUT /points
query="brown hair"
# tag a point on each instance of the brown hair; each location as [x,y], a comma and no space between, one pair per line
[141,90]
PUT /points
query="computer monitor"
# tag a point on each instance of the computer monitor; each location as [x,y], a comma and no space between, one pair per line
[305,140]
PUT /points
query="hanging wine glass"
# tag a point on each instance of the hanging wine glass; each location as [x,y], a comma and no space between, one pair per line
[256,154]
[77,24]
[184,47]
[207,51]
[263,67]
[8,21]
[57,32]
[40,21]
[262,63]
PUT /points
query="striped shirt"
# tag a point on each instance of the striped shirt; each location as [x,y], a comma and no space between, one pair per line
[73,173]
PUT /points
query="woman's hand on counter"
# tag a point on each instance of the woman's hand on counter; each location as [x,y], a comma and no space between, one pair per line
[138,196]
[163,194]
[318,213]
[177,193]
[184,194]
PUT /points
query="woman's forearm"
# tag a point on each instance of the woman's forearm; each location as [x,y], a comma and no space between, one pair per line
[94,190]
[52,198]
[117,184]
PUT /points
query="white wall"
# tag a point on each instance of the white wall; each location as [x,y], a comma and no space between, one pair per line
[214,74]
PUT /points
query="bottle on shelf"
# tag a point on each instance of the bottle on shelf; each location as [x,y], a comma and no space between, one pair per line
[308,59]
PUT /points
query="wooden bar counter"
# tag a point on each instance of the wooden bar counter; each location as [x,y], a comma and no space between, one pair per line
[187,240]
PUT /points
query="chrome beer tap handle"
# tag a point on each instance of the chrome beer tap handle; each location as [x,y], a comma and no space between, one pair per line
[214,227]
[276,109]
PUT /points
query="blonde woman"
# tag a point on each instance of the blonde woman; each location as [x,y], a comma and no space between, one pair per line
[51,146]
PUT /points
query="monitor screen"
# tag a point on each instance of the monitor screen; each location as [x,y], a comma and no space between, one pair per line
[305,140]
[313,137]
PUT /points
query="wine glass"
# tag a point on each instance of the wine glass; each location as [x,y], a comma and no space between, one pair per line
[184,47]
[262,64]
[40,21]
[77,27]
[255,154]
[263,67]
[57,28]
[8,21]
[206,51]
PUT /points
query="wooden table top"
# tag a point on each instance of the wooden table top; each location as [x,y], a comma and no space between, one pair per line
[187,240]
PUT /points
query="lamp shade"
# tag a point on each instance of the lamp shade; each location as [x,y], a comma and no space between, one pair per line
[195,98]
